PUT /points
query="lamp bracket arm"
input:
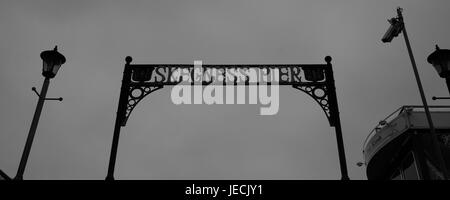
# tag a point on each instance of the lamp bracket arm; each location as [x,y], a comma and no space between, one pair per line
[37,93]
[437,98]
[34,90]
[59,99]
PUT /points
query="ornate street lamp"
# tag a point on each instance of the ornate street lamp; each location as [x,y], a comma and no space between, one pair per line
[52,61]
[440,59]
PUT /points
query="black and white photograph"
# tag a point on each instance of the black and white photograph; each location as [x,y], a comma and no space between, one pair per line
[214,93]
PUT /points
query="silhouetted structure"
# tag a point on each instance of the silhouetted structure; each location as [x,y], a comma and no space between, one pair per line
[401,147]
[52,61]
[397,27]
[316,80]
[440,59]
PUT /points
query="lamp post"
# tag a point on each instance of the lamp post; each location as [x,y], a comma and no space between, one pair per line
[397,26]
[52,61]
[440,59]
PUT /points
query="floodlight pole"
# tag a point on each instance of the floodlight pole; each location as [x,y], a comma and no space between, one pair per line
[434,140]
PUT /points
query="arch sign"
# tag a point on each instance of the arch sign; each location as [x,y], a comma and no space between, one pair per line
[206,84]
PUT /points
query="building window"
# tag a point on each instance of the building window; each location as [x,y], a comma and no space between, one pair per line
[410,171]
[434,173]
[397,175]
[407,170]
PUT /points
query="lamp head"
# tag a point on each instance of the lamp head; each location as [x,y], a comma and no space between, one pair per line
[440,59]
[51,62]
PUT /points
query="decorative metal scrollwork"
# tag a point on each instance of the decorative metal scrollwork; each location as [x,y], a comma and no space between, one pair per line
[139,80]
[135,95]
[143,79]
[320,94]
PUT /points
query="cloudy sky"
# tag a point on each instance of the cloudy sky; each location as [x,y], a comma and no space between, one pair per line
[165,141]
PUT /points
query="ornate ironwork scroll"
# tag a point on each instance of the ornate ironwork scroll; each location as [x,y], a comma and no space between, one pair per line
[320,95]
[135,95]
[140,80]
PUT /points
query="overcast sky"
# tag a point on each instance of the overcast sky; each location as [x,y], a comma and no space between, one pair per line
[165,141]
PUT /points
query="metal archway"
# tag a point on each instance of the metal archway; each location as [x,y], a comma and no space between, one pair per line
[316,80]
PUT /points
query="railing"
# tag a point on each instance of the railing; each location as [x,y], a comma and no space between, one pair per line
[384,122]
